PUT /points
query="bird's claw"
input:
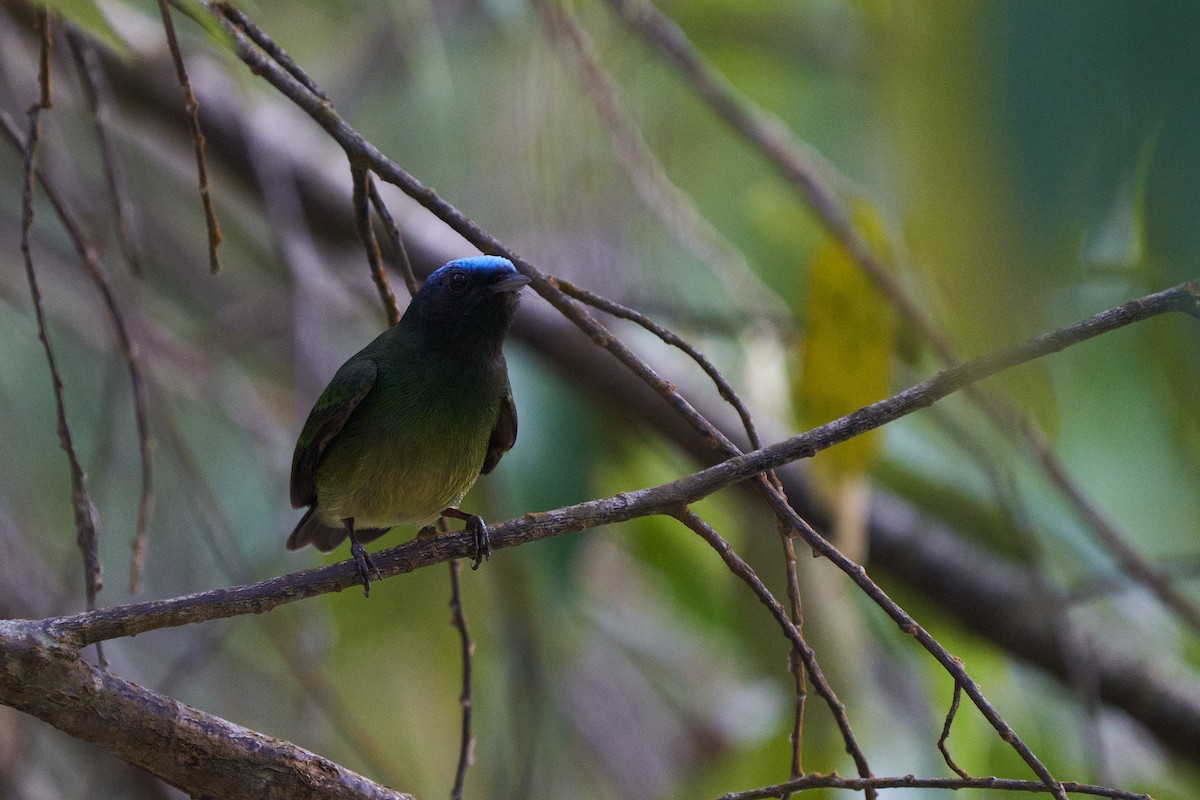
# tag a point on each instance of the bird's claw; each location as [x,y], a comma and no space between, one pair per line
[483,542]
[365,565]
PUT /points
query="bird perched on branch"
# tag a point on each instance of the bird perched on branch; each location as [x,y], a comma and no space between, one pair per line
[411,421]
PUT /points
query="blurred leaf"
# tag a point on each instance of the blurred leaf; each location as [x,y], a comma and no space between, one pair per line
[848,346]
[87,15]
[1118,238]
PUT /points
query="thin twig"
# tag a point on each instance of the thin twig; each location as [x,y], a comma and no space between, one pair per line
[795,663]
[466,749]
[800,647]
[673,207]
[193,109]
[835,781]
[87,524]
[96,95]
[813,178]
[95,270]
[45,74]
[724,387]
[268,46]
[393,232]
[944,738]
[366,234]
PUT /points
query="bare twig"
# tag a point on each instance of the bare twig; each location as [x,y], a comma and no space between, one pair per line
[795,663]
[835,781]
[800,647]
[813,178]
[95,270]
[724,387]
[193,109]
[87,524]
[467,740]
[366,233]
[393,232]
[96,94]
[46,25]
[945,737]
[268,46]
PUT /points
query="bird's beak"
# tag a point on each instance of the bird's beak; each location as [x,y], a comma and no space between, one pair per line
[512,283]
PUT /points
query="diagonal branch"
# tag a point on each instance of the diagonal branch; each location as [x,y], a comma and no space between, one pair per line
[181,745]
[135,618]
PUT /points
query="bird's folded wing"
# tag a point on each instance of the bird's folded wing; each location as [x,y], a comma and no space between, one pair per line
[349,386]
[504,435]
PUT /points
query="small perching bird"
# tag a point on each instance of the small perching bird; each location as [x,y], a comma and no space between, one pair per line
[409,423]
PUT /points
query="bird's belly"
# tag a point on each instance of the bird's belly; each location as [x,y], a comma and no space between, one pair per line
[395,481]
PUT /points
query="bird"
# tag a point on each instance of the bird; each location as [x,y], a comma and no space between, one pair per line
[408,424]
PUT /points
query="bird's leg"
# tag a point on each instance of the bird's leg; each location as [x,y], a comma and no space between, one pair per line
[483,543]
[362,559]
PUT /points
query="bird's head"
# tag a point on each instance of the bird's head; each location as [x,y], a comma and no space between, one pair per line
[470,300]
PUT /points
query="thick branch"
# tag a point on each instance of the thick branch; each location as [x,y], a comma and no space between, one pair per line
[200,753]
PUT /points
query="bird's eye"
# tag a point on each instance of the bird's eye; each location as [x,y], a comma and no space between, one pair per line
[457,281]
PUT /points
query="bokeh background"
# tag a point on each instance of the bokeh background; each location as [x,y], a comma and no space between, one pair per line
[1020,164]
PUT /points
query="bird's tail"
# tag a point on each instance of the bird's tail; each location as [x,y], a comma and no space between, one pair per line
[311,530]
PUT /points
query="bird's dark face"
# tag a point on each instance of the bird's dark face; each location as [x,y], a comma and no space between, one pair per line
[471,298]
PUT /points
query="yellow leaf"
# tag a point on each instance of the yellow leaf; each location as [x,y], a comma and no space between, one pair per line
[847,350]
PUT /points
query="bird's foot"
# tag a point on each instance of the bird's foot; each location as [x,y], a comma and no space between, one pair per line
[428,532]
[366,566]
[475,525]
[483,542]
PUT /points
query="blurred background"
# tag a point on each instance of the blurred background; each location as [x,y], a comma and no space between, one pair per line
[1019,165]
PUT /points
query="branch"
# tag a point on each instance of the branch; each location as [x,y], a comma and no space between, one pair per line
[198,752]
[836,781]
[135,618]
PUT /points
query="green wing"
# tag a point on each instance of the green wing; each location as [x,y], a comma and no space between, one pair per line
[349,386]
[504,435]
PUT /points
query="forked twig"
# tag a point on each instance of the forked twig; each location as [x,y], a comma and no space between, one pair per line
[942,742]
[393,232]
[800,647]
